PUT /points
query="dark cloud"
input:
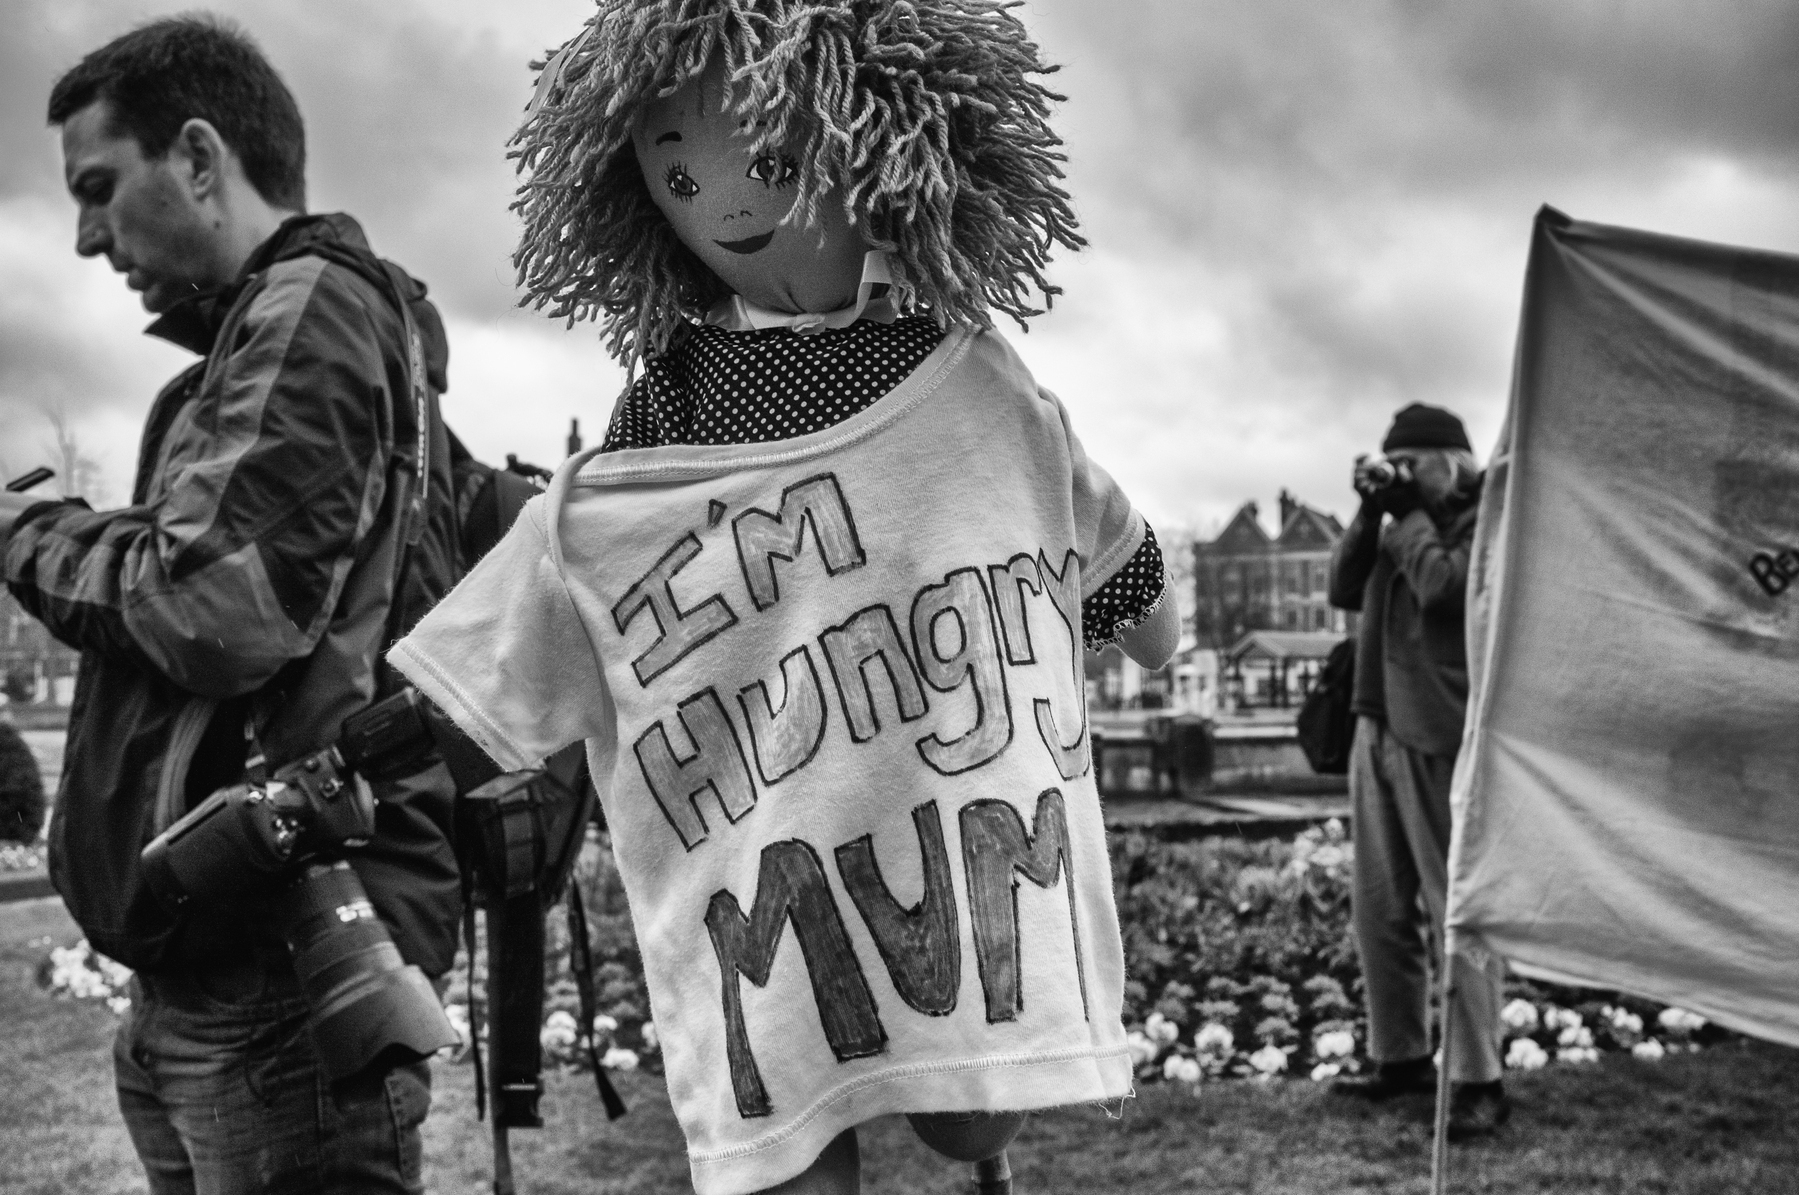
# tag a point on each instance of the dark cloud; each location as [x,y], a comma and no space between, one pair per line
[407,119]
[1348,189]
[1303,215]
[1430,98]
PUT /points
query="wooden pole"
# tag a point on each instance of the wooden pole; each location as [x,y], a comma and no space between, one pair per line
[1439,1149]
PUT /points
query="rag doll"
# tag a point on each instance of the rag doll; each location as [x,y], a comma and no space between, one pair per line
[818,604]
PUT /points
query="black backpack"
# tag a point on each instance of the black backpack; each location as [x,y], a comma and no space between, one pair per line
[1326,722]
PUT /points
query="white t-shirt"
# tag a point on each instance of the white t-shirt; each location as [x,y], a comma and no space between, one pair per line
[832,691]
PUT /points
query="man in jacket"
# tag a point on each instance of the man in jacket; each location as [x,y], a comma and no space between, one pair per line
[290,518]
[1403,562]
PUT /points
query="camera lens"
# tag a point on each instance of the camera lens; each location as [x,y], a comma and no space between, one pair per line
[365,1004]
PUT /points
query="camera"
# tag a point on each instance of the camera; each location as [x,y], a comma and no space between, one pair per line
[1380,471]
[366,1005]
[281,837]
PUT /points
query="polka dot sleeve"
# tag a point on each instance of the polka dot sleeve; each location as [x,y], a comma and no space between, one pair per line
[1128,597]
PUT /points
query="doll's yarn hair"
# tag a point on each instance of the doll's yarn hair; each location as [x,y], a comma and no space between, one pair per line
[924,113]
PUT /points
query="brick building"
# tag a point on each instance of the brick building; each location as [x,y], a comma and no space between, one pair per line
[1247,580]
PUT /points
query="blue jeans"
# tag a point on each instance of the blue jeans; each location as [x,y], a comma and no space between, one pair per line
[223,1094]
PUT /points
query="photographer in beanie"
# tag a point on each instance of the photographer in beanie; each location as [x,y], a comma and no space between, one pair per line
[1403,563]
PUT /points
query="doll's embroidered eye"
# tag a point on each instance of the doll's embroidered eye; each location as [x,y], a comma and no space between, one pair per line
[680,183]
[774,170]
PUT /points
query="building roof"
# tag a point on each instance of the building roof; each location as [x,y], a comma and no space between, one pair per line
[1283,645]
[1242,534]
[1309,528]
[1305,530]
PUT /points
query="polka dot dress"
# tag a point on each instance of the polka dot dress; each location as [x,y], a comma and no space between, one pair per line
[723,387]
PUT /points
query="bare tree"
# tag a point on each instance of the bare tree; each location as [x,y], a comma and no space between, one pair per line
[1176,542]
[76,472]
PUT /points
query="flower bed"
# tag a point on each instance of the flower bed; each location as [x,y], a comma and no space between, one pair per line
[1239,956]
[19,856]
[1241,962]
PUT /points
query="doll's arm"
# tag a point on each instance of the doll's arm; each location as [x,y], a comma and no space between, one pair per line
[1152,642]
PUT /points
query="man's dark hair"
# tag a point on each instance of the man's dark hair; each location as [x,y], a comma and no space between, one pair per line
[158,77]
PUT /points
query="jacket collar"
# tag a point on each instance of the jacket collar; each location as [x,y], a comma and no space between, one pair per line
[1462,509]
[194,323]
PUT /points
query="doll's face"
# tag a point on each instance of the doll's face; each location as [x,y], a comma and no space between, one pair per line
[726,204]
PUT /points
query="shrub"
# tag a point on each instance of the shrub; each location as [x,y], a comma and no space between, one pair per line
[21,789]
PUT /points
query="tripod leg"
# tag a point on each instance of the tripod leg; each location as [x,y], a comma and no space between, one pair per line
[993,1176]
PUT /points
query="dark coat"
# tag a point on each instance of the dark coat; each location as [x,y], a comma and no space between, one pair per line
[252,579]
[1409,580]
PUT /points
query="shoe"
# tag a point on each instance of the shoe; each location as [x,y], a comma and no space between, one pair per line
[1477,1110]
[1411,1077]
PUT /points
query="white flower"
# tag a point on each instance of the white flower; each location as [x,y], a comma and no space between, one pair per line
[604,1026]
[1577,1054]
[619,1059]
[1328,857]
[120,1005]
[85,974]
[1325,1070]
[559,1031]
[1557,1018]
[650,1040]
[1269,1061]
[1160,1029]
[457,1015]
[1649,1050]
[1677,1021]
[1520,1016]
[1215,1039]
[1142,1049]
[1189,1071]
[1575,1036]
[1525,1055]
[116,974]
[1339,1043]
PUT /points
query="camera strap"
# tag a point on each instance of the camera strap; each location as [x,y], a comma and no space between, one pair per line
[418,389]
[412,518]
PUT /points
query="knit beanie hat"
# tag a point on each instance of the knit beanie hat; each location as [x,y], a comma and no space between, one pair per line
[1420,426]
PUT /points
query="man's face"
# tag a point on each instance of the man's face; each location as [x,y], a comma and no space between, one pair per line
[726,204]
[137,211]
[1432,472]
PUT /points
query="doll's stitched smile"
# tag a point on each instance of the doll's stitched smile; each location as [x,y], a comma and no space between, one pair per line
[753,244]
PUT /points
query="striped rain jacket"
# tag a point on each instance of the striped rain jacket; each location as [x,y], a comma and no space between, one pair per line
[251,583]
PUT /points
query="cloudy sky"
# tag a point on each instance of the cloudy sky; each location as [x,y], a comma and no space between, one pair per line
[1302,215]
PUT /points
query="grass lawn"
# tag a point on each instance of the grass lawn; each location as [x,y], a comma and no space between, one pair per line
[1720,1121]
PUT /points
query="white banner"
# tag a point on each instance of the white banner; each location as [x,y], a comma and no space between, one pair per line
[1627,796]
